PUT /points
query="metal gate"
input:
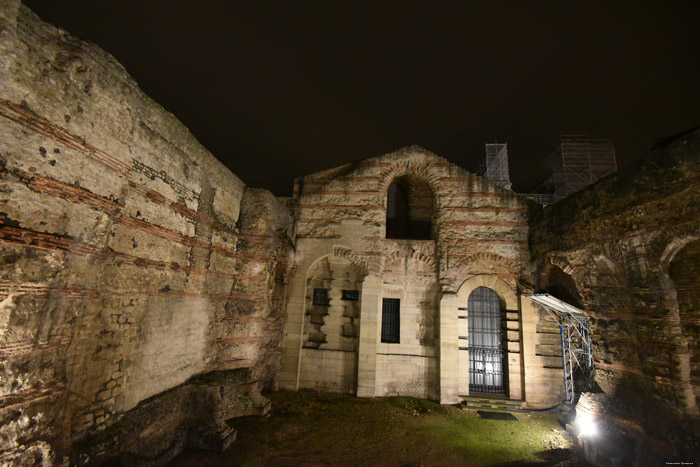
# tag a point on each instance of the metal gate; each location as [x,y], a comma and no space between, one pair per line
[486,373]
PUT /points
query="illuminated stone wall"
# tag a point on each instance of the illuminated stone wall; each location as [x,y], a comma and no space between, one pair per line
[630,246]
[478,234]
[132,263]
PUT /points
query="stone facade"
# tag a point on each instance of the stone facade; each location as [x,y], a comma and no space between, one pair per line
[147,296]
[474,234]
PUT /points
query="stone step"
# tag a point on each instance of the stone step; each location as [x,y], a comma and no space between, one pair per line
[476,402]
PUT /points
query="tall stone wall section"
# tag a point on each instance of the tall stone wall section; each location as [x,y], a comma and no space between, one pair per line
[136,271]
[631,245]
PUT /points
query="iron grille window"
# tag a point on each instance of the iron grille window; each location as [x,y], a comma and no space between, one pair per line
[321,297]
[391,311]
[353,295]
[486,365]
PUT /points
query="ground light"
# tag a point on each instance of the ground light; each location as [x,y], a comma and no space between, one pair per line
[587,426]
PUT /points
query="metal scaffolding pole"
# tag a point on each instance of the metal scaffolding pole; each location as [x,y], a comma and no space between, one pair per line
[576,348]
[495,167]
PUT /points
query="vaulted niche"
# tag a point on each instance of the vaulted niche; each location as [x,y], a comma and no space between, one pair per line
[562,286]
[409,209]
[684,271]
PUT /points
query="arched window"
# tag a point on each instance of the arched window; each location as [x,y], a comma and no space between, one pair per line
[486,366]
[409,209]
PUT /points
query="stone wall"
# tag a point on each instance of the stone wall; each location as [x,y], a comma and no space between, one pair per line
[465,229]
[132,264]
[630,247]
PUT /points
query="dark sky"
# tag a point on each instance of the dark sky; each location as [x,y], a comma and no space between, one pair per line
[281,89]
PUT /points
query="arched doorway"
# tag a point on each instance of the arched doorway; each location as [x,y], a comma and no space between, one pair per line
[486,365]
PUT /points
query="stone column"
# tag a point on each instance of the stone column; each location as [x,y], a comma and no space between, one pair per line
[370,315]
[449,350]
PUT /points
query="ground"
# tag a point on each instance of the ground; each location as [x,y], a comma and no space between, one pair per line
[310,429]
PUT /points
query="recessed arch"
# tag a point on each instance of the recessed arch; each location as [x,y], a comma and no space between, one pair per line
[487,367]
[679,276]
[558,282]
[331,325]
[409,208]
[507,295]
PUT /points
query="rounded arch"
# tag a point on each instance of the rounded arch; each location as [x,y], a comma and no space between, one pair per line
[557,278]
[679,274]
[673,248]
[408,255]
[410,208]
[402,168]
[509,299]
[345,252]
[497,262]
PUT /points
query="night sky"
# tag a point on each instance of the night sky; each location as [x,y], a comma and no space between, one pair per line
[281,89]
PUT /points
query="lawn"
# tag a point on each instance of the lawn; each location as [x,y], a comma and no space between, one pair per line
[320,429]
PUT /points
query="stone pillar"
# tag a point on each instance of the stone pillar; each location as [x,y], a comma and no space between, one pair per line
[528,314]
[449,350]
[370,316]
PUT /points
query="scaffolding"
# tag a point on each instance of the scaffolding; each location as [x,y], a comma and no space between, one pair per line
[584,161]
[576,349]
[495,167]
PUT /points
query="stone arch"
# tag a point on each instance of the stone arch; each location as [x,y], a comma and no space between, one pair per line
[505,292]
[562,263]
[497,262]
[412,255]
[331,325]
[419,170]
[679,274]
[353,257]
[558,279]
[474,371]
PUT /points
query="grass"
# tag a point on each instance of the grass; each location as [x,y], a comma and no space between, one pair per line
[315,429]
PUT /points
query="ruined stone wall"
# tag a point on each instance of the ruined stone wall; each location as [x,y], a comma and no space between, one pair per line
[630,245]
[342,212]
[131,261]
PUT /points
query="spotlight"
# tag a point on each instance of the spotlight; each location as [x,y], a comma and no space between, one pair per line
[587,426]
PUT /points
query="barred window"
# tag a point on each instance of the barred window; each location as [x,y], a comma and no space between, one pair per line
[353,295]
[390,320]
[321,297]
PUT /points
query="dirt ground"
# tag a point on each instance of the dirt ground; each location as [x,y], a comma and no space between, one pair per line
[320,429]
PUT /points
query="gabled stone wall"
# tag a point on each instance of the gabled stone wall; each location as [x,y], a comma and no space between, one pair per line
[476,230]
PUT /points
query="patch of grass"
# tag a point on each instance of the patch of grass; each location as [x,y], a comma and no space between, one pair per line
[310,429]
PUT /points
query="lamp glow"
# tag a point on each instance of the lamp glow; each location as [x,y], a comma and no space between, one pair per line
[587,426]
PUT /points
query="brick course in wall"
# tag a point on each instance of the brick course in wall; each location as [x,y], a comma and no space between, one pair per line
[133,262]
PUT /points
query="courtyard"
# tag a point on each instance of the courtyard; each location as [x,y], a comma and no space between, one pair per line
[310,429]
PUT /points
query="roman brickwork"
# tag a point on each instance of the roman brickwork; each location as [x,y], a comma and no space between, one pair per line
[627,249]
[408,230]
[141,283]
[147,296]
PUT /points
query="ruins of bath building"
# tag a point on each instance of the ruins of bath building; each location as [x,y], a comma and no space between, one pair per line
[148,295]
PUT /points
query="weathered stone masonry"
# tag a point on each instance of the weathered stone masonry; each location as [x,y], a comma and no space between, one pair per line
[147,295]
[132,261]
[630,246]
[475,235]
